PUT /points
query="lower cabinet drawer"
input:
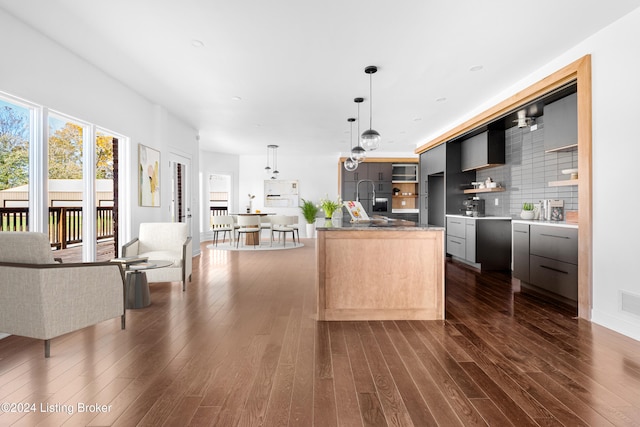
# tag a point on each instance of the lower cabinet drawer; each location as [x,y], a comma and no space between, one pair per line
[456,226]
[456,246]
[555,242]
[554,276]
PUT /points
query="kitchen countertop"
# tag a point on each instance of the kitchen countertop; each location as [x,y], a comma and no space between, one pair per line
[549,223]
[479,217]
[376,223]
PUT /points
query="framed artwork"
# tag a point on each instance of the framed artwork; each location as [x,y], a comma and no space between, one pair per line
[148,176]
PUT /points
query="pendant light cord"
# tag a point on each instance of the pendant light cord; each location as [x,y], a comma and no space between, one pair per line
[370,101]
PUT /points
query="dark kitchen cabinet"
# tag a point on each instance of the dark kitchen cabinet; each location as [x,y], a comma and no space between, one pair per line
[362,172]
[483,243]
[545,259]
[521,251]
[483,150]
[434,160]
[380,172]
[561,124]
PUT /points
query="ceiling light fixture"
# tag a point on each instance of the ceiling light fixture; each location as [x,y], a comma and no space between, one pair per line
[351,164]
[267,170]
[370,137]
[275,161]
[197,43]
[358,153]
[524,121]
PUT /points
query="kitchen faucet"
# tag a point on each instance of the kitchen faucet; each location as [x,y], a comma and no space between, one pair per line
[373,187]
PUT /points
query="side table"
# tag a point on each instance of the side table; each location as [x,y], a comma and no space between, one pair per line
[137,287]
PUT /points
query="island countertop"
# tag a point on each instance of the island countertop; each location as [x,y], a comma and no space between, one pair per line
[376,223]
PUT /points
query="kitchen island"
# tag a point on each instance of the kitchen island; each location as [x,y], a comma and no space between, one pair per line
[379,270]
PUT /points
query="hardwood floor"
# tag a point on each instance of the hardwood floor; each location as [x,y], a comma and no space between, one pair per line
[241,347]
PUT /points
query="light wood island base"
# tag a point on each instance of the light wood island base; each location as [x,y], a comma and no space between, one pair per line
[380,274]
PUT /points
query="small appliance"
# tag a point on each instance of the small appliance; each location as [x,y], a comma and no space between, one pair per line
[473,206]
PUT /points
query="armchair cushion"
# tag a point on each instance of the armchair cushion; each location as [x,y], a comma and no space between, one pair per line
[40,298]
[167,241]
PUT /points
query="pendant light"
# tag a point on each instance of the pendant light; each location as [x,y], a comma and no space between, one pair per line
[275,161]
[351,164]
[358,153]
[370,138]
[267,170]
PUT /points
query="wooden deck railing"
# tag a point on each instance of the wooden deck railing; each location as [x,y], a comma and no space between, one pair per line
[65,223]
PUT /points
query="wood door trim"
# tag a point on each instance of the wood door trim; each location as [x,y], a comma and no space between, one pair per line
[580,72]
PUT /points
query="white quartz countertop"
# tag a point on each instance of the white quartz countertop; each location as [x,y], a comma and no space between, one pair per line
[488,217]
[549,223]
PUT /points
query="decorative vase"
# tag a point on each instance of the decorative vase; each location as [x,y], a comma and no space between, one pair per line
[336,216]
[311,230]
[527,214]
[327,213]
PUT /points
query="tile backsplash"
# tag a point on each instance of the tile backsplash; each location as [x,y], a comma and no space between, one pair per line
[527,173]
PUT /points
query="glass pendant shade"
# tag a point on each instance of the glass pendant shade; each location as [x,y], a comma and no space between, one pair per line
[350,164]
[370,139]
[358,154]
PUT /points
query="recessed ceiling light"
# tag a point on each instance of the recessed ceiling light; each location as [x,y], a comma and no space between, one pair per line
[390,142]
[441,99]
[197,43]
[417,119]
[236,98]
[476,68]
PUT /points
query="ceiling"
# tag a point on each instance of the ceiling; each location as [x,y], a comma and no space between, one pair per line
[286,72]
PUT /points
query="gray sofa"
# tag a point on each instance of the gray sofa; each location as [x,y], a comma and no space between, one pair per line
[43,299]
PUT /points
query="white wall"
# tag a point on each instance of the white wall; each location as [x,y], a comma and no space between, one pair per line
[41,71]
[616,150]
[317,178]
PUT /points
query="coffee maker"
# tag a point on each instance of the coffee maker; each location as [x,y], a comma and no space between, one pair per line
[473,206]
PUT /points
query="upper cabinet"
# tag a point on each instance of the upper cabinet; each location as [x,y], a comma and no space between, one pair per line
[404,172]
[380,172]
[483,150]
[561,124]
[362,172]
[433,161]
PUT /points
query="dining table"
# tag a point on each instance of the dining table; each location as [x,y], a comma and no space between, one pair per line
[253,238]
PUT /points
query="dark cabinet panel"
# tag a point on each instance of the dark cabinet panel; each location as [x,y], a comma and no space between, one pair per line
[521,251]
[561,124]
[483,150]
[380,172]
[555,242]
[555,276]
[362,172]
[435,160]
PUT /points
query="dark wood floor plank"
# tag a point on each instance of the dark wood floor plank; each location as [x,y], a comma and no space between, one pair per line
[419,410]
[395,410]
[242,347]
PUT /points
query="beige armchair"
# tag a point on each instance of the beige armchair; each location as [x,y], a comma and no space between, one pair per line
[166,241]
[43,299]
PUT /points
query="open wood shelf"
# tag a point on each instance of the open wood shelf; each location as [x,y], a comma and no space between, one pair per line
[563,183]
[484,190]
[401,196]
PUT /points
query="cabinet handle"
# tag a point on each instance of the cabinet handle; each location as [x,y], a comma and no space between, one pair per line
[518,231]
[454,222]
[554,269]
[553,235]
[457,243]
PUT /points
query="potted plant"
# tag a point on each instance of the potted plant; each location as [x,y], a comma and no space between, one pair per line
[527,211]
[330,206]
[309,212]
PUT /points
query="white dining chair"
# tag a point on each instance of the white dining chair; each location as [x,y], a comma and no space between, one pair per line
[248,224]
[282,224]
[222,224]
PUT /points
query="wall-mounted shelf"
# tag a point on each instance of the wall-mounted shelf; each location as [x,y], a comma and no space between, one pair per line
[484,190]
[563,183]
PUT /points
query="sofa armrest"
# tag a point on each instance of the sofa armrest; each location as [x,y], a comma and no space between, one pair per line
[130,248]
